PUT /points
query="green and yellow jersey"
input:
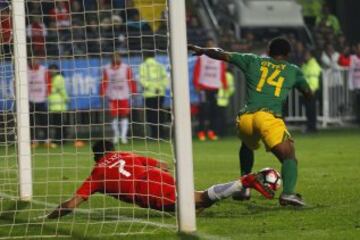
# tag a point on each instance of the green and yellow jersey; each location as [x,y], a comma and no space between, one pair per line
[268,81]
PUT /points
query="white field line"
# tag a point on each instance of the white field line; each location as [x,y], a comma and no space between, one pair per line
[114,217]
[87,211]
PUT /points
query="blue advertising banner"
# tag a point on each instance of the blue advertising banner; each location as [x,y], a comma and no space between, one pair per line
[194,96]
[83,79]
[7,95]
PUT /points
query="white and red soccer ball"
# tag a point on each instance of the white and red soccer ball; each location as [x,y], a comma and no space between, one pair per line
[271,178]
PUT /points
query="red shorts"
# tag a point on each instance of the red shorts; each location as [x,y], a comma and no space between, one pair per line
[119,108]
[156,191]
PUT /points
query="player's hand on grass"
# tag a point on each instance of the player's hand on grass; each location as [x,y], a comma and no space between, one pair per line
[41,217]
[163,166]
[196,49]
[51,215]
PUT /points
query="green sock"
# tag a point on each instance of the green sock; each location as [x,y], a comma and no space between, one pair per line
[289,175]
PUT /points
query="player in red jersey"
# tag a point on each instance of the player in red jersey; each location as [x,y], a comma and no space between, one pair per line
[146,182]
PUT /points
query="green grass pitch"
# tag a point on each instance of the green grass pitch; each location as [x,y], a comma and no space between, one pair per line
[329,179]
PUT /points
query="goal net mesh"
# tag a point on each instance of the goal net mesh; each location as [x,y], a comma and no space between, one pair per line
[78,39]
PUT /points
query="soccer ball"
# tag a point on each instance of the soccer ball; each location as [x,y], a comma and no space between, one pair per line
[271,178]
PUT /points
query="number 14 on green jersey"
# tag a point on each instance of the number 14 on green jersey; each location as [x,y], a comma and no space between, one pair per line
[273,80]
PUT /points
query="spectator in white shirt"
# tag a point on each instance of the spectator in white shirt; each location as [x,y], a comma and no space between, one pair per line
[354,79]
[329,57]
[36,31]
[332,79]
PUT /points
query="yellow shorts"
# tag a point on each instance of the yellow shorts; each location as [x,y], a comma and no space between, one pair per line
[253,127]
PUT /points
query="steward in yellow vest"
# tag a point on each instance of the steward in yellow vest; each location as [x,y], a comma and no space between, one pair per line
[223,96]
[312,71]
[154,80]
[57,101]
[153,77]
[223,100]
[58,96]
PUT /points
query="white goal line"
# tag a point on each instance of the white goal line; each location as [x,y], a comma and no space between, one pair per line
[88,211]
[115,218]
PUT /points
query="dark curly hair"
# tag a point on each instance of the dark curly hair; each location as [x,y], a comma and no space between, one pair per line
[101,147]
[279,47]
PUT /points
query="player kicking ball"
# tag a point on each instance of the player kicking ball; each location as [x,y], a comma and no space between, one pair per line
[268,82]
[146,182]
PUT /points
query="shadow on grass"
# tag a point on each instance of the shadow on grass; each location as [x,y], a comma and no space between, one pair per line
[16,207]
[12,209]
[184,236]
[254,208]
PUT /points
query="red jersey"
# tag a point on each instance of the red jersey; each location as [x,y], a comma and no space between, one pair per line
[60,14]
[344,60]
[37,32]
[126,176]
[5,28]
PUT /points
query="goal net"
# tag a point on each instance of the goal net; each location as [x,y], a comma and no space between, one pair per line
[76,51]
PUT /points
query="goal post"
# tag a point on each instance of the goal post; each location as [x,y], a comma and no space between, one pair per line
[22,100]
[183,139]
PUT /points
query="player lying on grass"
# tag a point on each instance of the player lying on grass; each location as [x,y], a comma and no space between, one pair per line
[145,181]
[268,82]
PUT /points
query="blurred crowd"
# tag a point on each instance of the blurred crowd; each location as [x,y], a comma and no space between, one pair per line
[81,27]
[325,28]
[322,58]
[327,35]
[84,28]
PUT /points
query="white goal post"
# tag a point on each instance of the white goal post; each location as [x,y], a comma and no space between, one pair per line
[22,100]
[183,143]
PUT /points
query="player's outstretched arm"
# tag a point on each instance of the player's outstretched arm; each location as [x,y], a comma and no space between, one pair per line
[216,53]
[66,207]
[303,86]
[307,93]
[152,162]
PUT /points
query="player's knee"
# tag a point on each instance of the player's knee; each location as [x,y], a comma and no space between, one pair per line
[246,152]
[284,150]
[245,148]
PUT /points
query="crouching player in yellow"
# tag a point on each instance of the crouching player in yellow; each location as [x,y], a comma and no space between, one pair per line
[268,82]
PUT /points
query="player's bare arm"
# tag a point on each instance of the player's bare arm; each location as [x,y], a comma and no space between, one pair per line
[66,207]
[307,93]
[163,166]
[215,53]
[152,162]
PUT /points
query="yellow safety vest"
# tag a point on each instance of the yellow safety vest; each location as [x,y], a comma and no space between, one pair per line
[153,78]
[312,70]
[223,96]
[58,96]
